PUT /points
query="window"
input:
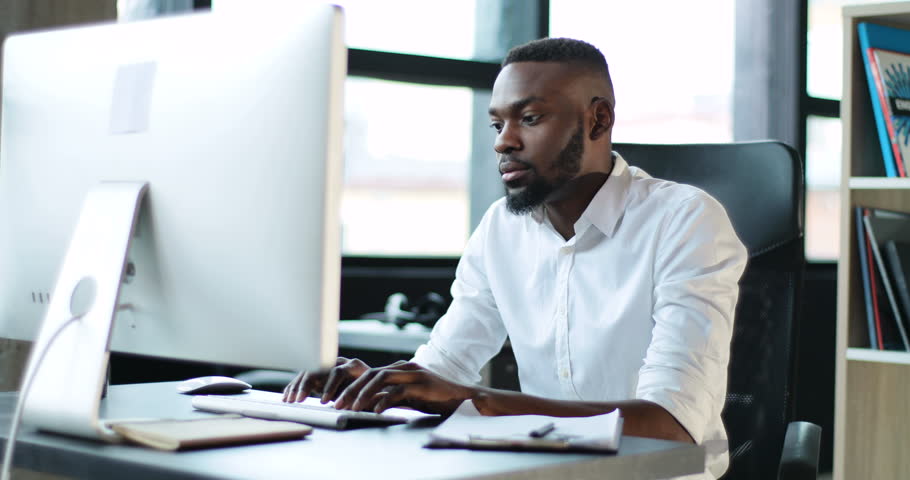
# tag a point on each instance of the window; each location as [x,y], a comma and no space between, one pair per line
[436,29]
[823,176]
[416,122]
[407,154]
[824,41]
[824,84]
[675,87]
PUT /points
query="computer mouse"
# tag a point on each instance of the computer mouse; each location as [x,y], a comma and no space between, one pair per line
[212,384]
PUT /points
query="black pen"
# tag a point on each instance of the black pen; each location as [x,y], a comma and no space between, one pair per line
[542,431]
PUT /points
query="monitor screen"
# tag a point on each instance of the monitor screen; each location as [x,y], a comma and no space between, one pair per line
[235,124]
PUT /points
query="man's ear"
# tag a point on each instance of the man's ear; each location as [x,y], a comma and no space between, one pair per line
[603,117]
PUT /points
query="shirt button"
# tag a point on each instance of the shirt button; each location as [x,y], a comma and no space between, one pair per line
[564,373]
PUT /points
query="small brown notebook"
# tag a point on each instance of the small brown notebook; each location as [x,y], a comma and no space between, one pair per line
[208,432]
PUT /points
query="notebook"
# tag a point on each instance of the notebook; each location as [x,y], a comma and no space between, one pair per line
[169,434]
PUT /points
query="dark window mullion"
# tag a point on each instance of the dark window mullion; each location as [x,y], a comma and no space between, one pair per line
[543,18]
[422,69]
[822,107]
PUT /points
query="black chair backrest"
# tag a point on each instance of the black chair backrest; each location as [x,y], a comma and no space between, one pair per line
[761,186]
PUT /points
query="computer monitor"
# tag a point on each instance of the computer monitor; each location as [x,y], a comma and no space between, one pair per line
[226,131]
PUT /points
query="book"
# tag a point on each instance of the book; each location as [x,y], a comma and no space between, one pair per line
[898,256]
[882,226]
[883,50]
[467,428]
[891,72]
[864,276]
[221,430]
[873,289]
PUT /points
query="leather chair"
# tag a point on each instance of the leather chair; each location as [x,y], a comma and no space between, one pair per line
[761,186]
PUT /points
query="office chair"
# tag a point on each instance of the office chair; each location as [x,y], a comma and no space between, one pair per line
[761,186]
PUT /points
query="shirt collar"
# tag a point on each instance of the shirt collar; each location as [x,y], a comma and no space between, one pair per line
[608,204]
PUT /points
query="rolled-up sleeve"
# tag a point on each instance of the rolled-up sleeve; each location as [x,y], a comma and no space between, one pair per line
[471,332]
[698,264]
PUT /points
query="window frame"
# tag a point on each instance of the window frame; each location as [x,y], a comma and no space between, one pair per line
[810,106]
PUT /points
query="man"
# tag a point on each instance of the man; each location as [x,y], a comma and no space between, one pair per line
[616,290]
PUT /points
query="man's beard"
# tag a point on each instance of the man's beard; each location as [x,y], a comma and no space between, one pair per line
[567,165]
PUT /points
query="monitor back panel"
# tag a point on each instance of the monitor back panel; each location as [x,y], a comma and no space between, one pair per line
[235,123]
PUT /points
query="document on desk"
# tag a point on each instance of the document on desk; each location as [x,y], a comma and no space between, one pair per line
[467,428]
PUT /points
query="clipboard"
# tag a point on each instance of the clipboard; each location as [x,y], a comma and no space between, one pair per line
[467,428]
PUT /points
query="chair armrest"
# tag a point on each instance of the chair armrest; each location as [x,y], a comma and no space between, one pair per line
[799,459]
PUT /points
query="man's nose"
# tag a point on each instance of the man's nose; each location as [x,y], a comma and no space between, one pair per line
[507,140]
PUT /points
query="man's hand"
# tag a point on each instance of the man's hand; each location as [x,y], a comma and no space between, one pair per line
[328,384]
[403,384]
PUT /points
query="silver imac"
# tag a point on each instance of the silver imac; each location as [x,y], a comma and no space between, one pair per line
[171,188]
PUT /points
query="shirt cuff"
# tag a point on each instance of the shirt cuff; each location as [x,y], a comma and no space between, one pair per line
[438,361]
[687,408]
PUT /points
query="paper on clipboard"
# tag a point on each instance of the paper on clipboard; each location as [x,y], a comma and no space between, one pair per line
[467,428]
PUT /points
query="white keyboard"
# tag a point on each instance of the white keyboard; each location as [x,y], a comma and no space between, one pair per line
[268,405]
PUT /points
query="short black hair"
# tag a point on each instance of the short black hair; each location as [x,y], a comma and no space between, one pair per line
[564,50]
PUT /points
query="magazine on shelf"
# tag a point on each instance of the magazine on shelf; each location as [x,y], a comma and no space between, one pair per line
[892,80]
[886,58]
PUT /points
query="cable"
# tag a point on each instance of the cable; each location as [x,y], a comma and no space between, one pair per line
[17,415]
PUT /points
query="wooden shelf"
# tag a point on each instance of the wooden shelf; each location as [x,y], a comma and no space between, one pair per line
[879,183]
[871,417]
[880,356]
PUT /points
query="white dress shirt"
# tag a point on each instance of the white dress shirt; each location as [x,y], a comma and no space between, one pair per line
[637,305]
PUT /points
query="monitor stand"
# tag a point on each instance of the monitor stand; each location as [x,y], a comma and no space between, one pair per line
[66,384]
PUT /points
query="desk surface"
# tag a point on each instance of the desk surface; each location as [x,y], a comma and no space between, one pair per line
[368,453]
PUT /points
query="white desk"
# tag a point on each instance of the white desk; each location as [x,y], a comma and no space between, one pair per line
[394,452]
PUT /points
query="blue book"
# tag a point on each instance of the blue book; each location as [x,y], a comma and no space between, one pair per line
[864,270]
[874,38]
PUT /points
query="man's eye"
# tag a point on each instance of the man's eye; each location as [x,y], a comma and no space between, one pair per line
[496,126]
[530,119]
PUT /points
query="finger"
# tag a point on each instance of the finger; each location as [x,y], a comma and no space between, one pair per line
[350,392]
[308,382]
[382,380]
[390,397]
[403,396]
[341,376]
[312,382]
[337,377]
[291,387]
[368,405]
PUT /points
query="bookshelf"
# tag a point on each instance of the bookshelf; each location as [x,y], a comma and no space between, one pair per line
[872,390]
